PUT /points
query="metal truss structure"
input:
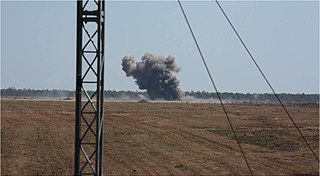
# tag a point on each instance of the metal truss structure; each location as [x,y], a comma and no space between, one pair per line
[89,87]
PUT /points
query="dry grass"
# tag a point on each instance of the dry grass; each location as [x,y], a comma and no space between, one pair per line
[161,139]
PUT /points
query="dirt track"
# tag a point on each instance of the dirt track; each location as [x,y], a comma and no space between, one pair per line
[161,139]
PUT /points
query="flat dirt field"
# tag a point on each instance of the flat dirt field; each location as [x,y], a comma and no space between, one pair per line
[144,138]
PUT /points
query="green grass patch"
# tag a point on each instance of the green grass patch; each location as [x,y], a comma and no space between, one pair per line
[179,165]
[265,138]
[305,174]
[314,138]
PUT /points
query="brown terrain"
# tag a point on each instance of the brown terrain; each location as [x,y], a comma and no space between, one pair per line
[160,138]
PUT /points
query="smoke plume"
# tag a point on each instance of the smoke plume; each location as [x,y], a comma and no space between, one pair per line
[154,74]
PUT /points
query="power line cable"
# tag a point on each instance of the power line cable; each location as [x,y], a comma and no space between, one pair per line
[215,87]
[265,78]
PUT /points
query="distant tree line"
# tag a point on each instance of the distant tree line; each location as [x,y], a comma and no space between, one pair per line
[255,97]
[113,94]
[56,93]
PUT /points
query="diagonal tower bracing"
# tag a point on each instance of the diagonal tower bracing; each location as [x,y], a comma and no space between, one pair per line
[89,87]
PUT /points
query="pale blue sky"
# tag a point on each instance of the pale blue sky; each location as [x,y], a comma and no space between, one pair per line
[38,43]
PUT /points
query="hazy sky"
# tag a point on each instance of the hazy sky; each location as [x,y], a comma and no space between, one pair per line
[38,43]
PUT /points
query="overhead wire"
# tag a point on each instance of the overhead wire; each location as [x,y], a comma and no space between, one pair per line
[215,87]
[265,78]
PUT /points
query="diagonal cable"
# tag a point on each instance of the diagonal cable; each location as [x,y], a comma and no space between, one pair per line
[89,100]
[85,4]
[87,160]
[215,87]
[90,38]
[96,2]
[89,127]
[265,78]
[90,65]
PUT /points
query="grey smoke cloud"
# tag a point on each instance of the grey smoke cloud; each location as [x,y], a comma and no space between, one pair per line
[155,74]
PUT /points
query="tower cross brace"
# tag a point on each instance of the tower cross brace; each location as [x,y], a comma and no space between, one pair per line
[89,87]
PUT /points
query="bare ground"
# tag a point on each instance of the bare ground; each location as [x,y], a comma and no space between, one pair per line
[162,139]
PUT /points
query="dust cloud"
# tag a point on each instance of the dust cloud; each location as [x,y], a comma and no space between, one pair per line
[154,74]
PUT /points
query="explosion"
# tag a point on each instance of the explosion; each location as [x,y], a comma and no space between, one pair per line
[154,74]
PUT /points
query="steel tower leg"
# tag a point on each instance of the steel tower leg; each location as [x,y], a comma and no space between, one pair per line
[89,87]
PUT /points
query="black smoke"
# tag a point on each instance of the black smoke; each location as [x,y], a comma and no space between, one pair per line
[154,74]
